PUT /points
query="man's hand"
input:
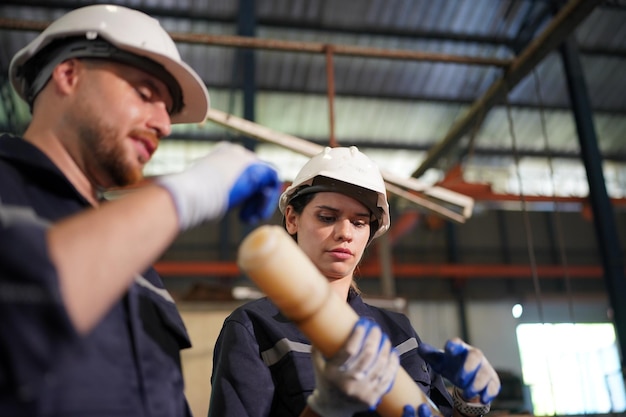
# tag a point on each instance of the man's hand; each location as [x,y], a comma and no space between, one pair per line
[357,376]
[464,366]
[230,176]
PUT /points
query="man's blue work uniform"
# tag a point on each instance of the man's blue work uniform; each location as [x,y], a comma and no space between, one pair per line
[262,363]
[128,365]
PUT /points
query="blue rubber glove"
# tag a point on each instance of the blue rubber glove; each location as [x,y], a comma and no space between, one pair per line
[357,376]
[422,411]
[227,177]
[465,367]
[257,191]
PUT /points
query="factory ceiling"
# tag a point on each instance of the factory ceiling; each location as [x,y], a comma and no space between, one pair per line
[491,99]
[423,87]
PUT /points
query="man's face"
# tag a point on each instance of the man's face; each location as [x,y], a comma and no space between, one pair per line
[121,113]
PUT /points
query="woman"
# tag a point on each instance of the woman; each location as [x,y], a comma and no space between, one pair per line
[262,363]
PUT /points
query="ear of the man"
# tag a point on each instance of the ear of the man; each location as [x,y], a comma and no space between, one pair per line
[66,75]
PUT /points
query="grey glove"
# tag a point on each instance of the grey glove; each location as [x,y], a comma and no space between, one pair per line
[357,376]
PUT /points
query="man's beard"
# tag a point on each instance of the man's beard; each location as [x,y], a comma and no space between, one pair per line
[106,158]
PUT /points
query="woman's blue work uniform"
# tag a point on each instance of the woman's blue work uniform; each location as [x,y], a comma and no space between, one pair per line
[128,365]
[262,362]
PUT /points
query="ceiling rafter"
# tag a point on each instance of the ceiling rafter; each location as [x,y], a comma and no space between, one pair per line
[301,24]
[563,24]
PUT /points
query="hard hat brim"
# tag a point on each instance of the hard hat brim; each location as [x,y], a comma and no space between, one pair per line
[196,102]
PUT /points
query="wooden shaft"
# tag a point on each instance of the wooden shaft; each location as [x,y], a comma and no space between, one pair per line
[273,260]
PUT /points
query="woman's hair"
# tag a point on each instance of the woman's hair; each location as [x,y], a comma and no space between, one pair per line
[299,203]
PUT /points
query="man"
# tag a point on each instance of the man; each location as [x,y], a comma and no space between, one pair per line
[87,327]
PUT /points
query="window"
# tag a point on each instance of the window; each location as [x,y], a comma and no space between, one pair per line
[571,368]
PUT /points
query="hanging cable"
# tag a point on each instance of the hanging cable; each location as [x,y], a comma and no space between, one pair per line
[557,216]
[527,228]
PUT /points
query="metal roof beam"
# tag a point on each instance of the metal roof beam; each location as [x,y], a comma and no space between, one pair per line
[563,24]
[434,35]
[296,46]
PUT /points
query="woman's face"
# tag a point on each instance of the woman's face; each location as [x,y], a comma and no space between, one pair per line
[333,230]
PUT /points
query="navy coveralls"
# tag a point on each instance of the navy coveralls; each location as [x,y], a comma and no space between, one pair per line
[128,365]
[262,363]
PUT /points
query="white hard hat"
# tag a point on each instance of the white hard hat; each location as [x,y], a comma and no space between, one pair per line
[348,171]
[117,33]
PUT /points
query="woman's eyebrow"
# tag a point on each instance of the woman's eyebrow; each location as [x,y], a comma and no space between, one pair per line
[324,207]
[336,210]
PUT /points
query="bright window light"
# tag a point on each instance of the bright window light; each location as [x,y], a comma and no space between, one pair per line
[571,369]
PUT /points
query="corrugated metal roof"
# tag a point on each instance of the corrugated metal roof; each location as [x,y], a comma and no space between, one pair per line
[383,103]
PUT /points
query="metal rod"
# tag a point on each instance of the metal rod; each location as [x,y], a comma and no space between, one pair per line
[401,270]
[295,46]
[385,260]
[330,86]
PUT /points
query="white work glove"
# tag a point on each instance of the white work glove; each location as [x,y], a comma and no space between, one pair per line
[466,368]
[357,376]
[229,176]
